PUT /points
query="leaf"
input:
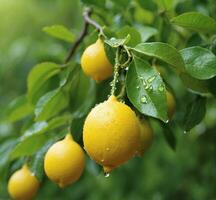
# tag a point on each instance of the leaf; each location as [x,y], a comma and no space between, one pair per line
[166,4]
[194,113]
[114,42]
[39,76]
[127,30]
[18,109]
[28,146]
[146,32]
[110,52]
[146,90]
[99,3]
[50,104]
[84,97]
[196,21]
[199,62]
[5,150]
[36,165]
[169,135]
[162,51]
[60,32]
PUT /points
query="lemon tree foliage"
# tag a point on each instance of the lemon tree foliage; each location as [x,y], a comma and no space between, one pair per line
[124,74]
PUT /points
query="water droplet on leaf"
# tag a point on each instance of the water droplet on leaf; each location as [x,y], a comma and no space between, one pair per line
[151,79]
[143,99]
[106,175]
[161,88]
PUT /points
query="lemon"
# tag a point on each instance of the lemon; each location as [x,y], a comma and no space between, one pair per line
[171,104]
[64,162]
[146,137]
[111,133]
[22,184]
[95,63]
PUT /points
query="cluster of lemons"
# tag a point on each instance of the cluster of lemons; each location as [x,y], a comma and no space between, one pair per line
[112,134]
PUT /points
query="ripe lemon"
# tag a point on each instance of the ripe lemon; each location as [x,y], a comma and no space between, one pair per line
[22,184]
[171,104]
[146,137]
[95,63]
[111,133]
[64,162]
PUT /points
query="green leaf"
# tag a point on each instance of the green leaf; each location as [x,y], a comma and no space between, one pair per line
[50,104]
[134,40]
[38,77]
[99,3]
[196,21]
[194,113]
[199,62]
[196,85]
[169,135]
[110,52]
[146,32]
[60,32]
[114,42]
[162,51]
[83,97]
[18,109]
[28,146]
[146,90]
[5,150]
[166,4]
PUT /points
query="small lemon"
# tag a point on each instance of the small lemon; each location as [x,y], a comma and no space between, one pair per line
[95,63]
[146,137]
[171,104]
[22,184]
[111,133]
[64,162]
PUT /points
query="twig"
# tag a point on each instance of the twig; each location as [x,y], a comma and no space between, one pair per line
[87,21]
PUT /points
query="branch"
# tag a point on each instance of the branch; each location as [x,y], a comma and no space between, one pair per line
[87,21]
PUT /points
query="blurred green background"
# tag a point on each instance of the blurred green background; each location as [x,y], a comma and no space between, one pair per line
[189,173]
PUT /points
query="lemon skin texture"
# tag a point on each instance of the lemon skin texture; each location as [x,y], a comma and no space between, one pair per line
[111,133]
[64,162]
[146,137]
[171,105]
[95,63]
[23,185]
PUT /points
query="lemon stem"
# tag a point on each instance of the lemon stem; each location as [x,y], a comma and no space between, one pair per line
[116,73]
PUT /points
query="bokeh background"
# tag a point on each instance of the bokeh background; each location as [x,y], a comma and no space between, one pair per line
[188,173]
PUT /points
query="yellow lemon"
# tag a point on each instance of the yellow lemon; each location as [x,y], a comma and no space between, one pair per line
[111,133]
[22,184]
[146,137]
[95,63]
[171,104]
[64,162]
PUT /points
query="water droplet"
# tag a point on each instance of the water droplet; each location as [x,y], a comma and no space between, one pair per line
[167,121]
[144,83]
[185,132]
[137,87]
[106,175]
[111,84]
[126,68]
[150,88]
[143,99]
[107,149]
[161,88]
[102,160]
[151,79]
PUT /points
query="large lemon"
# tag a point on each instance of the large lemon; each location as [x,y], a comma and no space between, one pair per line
[23,185]
[64,162]
[95,63]
[111,133]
